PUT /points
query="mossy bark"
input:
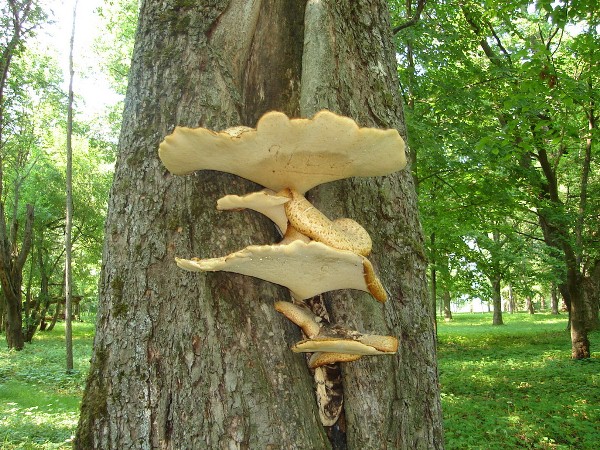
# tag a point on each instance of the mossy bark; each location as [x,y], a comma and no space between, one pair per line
[186,360]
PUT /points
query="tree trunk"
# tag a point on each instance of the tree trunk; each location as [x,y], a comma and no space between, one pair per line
[512,304]
[44,299]
[69,209]
[556,235]
[2,312]
[433,277]
[579,316]
[12,261]
[497,301]
[554,299]
[52,324]
[591,292]
[14,322]
[185,360]
[447,306]
[32,311]
[529,304]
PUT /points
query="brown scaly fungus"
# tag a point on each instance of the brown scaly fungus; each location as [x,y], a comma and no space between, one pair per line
[289,208]
[332,344]
[324,364]
[343,234]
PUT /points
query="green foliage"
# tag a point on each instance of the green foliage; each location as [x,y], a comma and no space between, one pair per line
[119,19]
[498,100]
[33,161]
[39,401]
[514,386]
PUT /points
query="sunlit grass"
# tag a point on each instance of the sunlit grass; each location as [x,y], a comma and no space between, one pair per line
[515,386]
[507,387]
[39,401]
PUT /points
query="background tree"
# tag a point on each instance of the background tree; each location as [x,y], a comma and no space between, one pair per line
[19,18]
[499,89]
[33,143]
[186,360]
[69,208]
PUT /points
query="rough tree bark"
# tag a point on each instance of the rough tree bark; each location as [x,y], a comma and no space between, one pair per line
[12,260]
[186,360]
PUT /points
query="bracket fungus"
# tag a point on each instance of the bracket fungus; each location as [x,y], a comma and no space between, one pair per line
[289,208]
[306,269]
[287,153]
[340,340]
[343,234]
[333,344]
[266,202]
[288,157]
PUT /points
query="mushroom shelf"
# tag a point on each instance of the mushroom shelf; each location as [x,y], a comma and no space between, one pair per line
[287,153]
[288,157]
[306,269]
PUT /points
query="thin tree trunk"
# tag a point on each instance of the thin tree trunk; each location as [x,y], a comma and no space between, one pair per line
[496,281]
[554,299]
[183,360]
[447,305]
[433,277]
[2,311]
[512,304]
[32,310]
[69,209]
[40,308]
[591,290]
[55,315]
[497,303]
[529,305]
[542,303]
[28,305]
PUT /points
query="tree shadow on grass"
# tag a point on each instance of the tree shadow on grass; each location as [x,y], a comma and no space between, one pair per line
[30,419]
[506,398]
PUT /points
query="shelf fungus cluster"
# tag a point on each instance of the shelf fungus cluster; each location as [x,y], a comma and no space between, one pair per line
[288,157]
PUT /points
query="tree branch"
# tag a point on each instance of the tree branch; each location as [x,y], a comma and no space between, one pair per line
[27,239]
[499,43]
[487,49]
[413,20]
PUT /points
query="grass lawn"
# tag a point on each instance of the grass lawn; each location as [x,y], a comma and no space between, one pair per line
[515,386]
[507,387]
[39,402]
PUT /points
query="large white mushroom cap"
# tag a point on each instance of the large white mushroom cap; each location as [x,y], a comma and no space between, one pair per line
[287,153]
[306,269]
